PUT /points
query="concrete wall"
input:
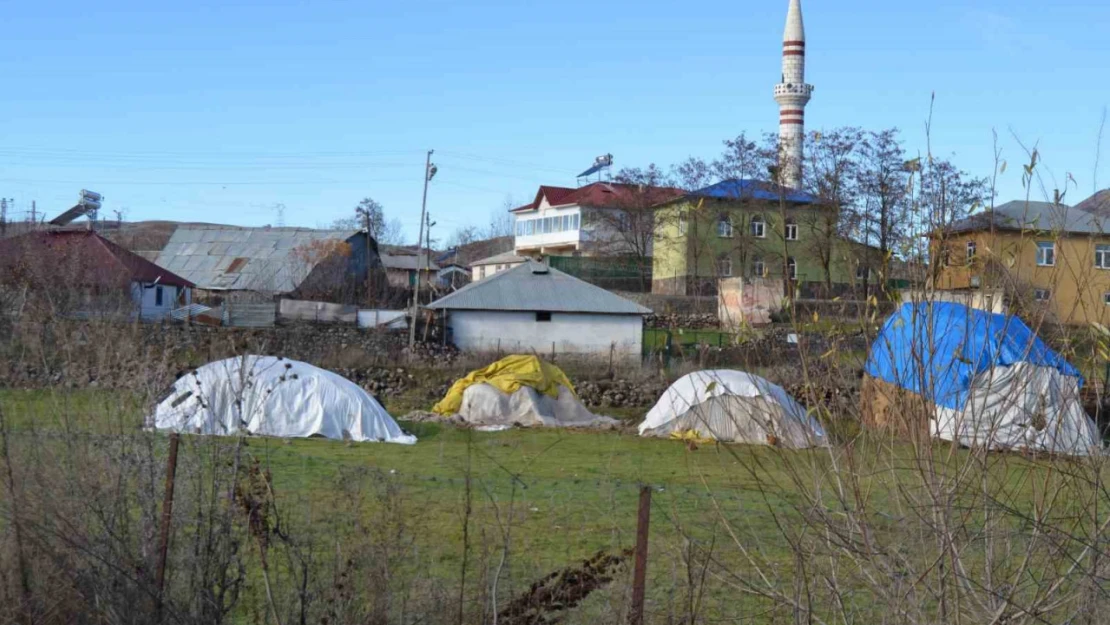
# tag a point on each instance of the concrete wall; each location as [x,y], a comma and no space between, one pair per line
[481,272]
[570,333]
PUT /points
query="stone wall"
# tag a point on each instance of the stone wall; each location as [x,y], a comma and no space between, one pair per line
[78,354]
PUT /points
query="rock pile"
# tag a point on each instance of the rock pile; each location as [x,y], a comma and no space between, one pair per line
[379,381]
[619,393]
[690,321]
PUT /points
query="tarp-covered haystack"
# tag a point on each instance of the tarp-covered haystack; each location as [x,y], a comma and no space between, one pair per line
[732,406]
[518,390]
[270,396]
[977,378]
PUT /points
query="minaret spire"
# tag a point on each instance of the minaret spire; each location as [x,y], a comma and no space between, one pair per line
[792,94]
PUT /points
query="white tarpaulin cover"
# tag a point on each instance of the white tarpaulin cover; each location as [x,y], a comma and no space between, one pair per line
[486,405]
[732,406]
[270,396]
[1022,406]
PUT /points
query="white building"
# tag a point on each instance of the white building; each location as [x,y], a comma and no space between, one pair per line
[486,267]
[533,307]
[591,220]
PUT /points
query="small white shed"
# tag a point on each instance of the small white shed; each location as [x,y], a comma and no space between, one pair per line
[533,307]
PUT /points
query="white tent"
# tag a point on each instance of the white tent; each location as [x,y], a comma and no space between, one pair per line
[1022,406]
[270,396]
[486,405]
[733,406]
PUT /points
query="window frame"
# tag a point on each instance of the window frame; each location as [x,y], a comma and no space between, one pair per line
[1106,298]
[723,262]
[1042,261]
[971,248]
[1102,253]
[758,219]
[724,224]
[1037,295]
[791,267]
[159,296]
[759,264]
[791,226]
[543,316]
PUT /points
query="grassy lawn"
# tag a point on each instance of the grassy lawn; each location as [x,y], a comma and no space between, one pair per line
[563,495]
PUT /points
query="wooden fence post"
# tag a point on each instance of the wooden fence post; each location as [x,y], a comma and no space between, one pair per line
[639,575]
[167,520]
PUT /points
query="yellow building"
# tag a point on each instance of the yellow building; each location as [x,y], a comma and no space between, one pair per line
[1046,258]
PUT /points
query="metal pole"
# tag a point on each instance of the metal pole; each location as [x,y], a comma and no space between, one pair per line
[167,518]
[639,575]
[419,241]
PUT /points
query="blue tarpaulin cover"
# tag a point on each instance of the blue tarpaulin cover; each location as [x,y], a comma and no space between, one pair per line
[936,349]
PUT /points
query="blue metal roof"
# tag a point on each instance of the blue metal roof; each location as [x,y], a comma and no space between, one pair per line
[754,190]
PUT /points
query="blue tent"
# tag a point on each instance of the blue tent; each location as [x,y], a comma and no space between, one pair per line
[936,349]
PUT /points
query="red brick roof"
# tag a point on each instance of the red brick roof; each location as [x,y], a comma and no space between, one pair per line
[98,260]
[602,195]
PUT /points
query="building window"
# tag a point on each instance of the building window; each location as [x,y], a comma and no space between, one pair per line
[682,224]
[724,266]
[481,272]
[1102,256]
[759,269]
[724,227]
[543,317]
[1106,298]
[157,296]
[792,268]
[576,221]
[1041,295]
[863,272]
[791,230]
[1046,253]
[759,227]
[971,248]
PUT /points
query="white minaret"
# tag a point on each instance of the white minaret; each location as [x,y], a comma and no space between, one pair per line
[792,94]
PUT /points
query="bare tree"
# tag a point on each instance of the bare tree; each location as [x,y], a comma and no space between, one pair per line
[628,226]
[832,174]
[883,179]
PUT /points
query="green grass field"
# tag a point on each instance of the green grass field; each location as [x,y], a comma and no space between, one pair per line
[560,495]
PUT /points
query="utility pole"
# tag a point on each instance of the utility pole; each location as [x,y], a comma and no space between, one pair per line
[429,173]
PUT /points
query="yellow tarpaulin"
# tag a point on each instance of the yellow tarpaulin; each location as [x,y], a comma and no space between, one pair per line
[507,375]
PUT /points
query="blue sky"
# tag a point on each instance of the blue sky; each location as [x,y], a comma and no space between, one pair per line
[216,111]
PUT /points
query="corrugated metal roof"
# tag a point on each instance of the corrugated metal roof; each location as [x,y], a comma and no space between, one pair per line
[504,257]
[1043,216]
[204,253]
[754,190]
[534,286]
[408,261]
